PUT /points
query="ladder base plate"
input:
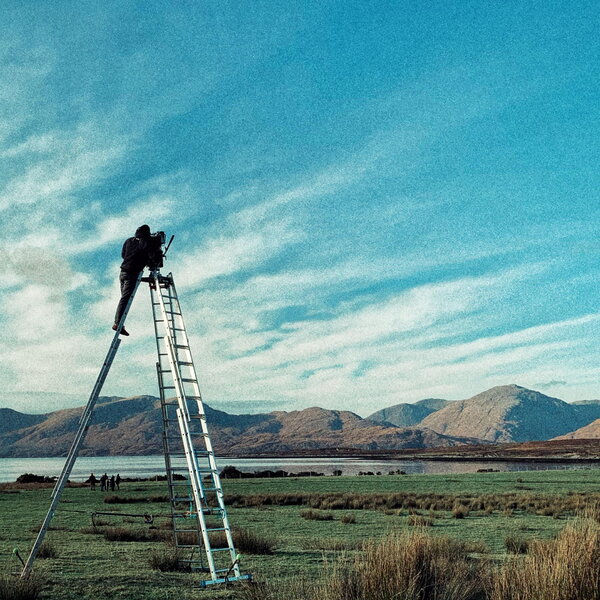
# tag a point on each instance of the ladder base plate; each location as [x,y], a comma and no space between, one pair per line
[208,582]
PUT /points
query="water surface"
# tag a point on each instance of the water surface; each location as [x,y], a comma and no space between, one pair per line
[150,466]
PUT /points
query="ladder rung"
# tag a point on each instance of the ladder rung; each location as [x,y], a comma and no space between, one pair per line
[220,550]
[217,529]
[188,380]
[182,346]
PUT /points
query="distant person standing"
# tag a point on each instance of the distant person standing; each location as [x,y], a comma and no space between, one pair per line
[103,483]
[136,255]
[118,481]
[92,481]
[112,483]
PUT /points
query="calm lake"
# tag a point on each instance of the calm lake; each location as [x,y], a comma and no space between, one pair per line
[148,466]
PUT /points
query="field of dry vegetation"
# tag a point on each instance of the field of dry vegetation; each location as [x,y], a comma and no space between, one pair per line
[488,536]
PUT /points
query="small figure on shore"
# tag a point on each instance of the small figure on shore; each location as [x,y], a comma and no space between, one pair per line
[104,483]
[118,481]
[112,483]
[92,481]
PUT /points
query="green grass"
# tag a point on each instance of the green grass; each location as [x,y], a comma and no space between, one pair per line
[90,566]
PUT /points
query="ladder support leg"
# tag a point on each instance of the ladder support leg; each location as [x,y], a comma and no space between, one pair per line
[84,424]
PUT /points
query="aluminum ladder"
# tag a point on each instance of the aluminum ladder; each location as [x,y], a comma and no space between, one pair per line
[191,499]
[200,524]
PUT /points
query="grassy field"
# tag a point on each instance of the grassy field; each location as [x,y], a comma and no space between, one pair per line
[311,521]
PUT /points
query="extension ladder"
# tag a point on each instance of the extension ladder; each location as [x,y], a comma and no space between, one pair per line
[195,490]
[198,509]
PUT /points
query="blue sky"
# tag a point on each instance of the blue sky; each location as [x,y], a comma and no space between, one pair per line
[373,202]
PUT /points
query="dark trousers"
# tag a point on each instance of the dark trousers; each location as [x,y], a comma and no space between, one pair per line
[127,281]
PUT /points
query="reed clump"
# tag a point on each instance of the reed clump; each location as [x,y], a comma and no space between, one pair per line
[167,561]
[315,515]
[507,503]
[418,566]
[413,566]
[47,550]
[565,568]
[14,588]
[516,545]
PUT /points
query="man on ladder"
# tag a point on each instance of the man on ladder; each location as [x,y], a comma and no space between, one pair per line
[187,445]
[137,253]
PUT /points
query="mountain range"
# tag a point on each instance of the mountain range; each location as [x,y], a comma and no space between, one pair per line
[133,426]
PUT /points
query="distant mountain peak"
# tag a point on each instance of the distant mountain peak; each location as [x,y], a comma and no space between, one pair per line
[507,413]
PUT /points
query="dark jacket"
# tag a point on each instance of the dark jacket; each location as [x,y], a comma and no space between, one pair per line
[135,252]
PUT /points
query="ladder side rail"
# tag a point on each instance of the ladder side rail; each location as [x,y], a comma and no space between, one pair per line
[165,436]
[208,443]
[197,491]
[192,368]
[171,314]
[171,355]
[84,423]
[86,415]
[85,418]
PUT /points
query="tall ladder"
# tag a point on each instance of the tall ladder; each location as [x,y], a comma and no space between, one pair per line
[195,490]
[199,516]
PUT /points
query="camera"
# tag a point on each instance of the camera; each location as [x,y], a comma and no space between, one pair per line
[156,241]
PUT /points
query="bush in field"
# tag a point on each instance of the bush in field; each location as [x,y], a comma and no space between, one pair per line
[12,588]
[166,560]
[348,519]
[47,550]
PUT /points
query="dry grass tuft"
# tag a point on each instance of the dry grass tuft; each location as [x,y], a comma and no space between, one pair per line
[122,534]
[566,568]
[516,545]
[419,521]
[250,542]
[412,567]
[12,588]
[166,560]
[47,550]
[460,511]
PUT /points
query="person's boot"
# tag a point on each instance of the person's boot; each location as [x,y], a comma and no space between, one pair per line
[123,330]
